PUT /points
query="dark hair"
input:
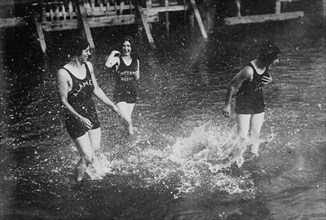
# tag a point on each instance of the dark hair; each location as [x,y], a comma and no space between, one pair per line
[268,51]
[76,45]
[134,51]
[129,39]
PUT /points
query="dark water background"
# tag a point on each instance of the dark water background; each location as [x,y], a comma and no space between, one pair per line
[179,166]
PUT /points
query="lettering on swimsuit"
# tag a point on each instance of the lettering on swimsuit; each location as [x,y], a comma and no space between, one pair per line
[82,86]
[126,76]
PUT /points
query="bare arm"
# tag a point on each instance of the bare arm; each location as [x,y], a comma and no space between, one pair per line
[244,74]
[98,92]
[113,59]
[64,84]
[137,75]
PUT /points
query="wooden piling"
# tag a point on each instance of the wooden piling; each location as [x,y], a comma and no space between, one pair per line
[39,31]
[199,20]
[146,27]
[85,24]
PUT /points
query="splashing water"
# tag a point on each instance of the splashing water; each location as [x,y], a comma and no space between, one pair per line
[197,162]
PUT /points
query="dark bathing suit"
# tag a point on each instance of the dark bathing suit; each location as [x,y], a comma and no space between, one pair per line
[125,87]
[250,99]
[80,98]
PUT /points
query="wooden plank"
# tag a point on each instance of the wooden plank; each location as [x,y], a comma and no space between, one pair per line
[199,20]
[60,25]
[149,4]
[93,5]
[291,0]
[238,4]
[16,2]
[97,12]
[130,7]
[107,6]
[122,5]
[64,13]
[93,22]
[51,14]
[173,2]
[167,20]
[102,8]
[263,18]
[57,13]
[71,10]
[43,12]
[112,20]
[12,22]
[169,8]
[83,17]
[278,7]
[152,16]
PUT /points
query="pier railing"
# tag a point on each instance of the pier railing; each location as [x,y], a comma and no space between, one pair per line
[279,14]
[58,15]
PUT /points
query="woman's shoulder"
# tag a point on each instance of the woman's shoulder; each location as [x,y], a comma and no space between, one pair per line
[64,69]
[63,74]
[248,70]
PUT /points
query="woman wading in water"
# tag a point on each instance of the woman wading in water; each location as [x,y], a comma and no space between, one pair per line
[76,85]
[127,72]
[250,106]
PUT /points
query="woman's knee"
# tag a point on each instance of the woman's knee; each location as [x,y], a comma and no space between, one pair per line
[256,123]
[243,125]
[95,139]
[85,161]
[88,158]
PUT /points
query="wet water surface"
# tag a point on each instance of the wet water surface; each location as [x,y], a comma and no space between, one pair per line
[183,162]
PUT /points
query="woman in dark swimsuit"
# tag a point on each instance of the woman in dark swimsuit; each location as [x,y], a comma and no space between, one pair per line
[250,105]
[76,85]
[127,72]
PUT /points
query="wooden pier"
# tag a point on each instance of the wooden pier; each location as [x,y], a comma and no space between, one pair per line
[58,15]
[87,14]
[279,15]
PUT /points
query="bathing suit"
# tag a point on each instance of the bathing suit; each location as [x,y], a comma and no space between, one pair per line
[125,87]
[250,99]
[80,98]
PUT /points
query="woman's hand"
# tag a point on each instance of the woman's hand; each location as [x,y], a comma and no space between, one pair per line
[113,59]
[267,80]
[226,111]
[116,109]
[86,122]
[115,53]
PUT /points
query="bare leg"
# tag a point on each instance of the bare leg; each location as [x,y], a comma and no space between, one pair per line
[126,111]
[130,110]
[81,169]
[86,153]
[256,123]
[243,122]
[95,139]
